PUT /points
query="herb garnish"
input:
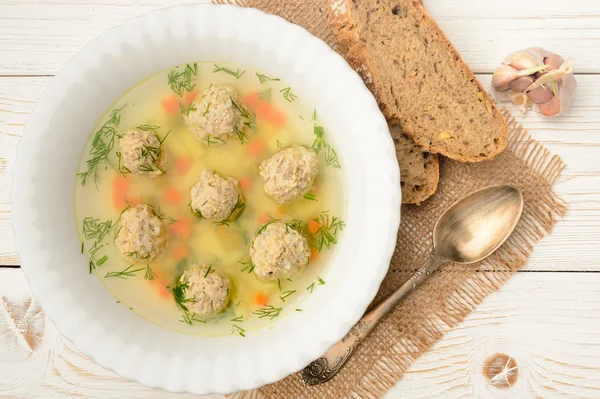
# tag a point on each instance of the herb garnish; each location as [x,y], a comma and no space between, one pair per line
[286,294]
[319,142]
[128,272]
[279,145]
[179,291]
[329,227]
[163,216]
[124,170]
[235,74]
[180,82]
[102,145]
[148,128]
[235,212]
[94,229]
[239,319]
[248,266]
[264,78]
[288,95]
[310,197]
[292,224]
[265,95]
[206,110]
[248,115]
[186,110]
[149,274]
[267,311]
[190,318]
[210,140]
[239,330]
[208,271]
[331,158]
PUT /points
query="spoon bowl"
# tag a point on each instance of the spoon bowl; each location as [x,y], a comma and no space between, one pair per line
[474,227]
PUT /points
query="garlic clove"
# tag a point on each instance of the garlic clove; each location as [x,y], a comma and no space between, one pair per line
[551,108]
[554,60]
[522,83]
[520,99]
[503,76]
[564,69]
[540,95]
[523,59]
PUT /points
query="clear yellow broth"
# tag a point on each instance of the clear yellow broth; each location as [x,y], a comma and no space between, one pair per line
[146,288]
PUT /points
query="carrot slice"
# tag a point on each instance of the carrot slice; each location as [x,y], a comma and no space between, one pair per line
[245,183]
[256,147]
[314,254]
[313,226]
[189,97]
[260,298]
[265,110]
[172,195]
[182,165]
[163,292]
[180,252]
[120,184]
[264,218]
[171,105]
[182,228]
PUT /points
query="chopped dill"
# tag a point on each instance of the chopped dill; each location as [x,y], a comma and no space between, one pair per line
[279,284]
[267,311]
[163,216]
[102,145]
[264,78]
[279,145]
[238,319]
[181,81]
[123,170]
[239,330]
[310,288]
[206,110]
[92,266]
[320,280]
[319,142]
[235,212]
[248,266]
[299,310]
[208,271]
[295,225]
[314,115]
[102,260]
[310,197]
[288,95]
[164,138]
[149,274]
[286,294]
[248,115]
[128,272]
[210,140]
[82,246]
[265,95]
[301,117]
[242,136]
[329,227]
[186,110]
[189,319]
[331,158]
[235,74]
[179,291]
[148,127]
[136,255]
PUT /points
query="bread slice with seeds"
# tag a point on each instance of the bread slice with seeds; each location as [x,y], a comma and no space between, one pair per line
[419,170]
[418,77]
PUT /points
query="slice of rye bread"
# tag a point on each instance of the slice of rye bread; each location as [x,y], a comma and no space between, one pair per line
[418,77]
[419,170]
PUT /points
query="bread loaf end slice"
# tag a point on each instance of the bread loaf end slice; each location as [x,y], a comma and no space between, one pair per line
[418,77]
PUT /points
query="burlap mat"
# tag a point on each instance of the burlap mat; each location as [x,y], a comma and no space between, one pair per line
[444,300]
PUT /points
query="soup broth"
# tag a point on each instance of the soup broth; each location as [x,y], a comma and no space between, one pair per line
[275,118]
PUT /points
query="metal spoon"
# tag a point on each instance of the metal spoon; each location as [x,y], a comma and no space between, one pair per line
[470,230]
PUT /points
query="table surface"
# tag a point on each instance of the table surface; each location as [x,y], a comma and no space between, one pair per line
[541,328]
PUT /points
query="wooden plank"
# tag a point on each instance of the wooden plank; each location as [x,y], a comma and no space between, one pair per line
[525,321]
[573,136]
[39,36]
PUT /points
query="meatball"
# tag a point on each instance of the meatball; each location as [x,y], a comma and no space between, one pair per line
[279,251]
[289,174]
[205,290]
[142,236]
[141,153]
[214,113]
[215,198]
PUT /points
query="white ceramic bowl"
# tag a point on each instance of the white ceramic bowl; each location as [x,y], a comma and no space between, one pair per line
[44,181]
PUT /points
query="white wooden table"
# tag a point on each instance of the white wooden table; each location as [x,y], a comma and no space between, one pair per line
[546,319]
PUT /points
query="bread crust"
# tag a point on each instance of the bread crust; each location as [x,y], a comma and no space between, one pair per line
[347,30]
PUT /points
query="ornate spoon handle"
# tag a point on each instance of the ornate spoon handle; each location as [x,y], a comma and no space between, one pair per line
[325,367]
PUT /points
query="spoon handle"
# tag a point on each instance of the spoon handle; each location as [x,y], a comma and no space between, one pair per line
[325,367]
